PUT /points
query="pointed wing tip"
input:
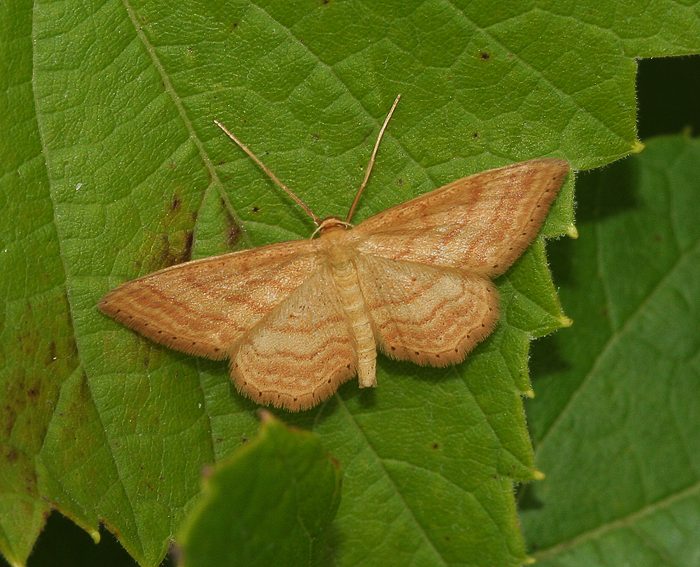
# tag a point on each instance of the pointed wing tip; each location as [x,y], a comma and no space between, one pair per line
[551,172]
[117,305]
[562,164]
[112,307]
[107,306]
[112,304]
[559,162]
[560,167]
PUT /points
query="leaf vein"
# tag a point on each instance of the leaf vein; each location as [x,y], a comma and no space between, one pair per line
[612,340]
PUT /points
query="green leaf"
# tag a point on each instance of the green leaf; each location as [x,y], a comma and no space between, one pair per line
[37,346]
[270,503]
[616,422]
[114,169]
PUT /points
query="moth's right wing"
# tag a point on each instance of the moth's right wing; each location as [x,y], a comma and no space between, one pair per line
[300,353]
[480,224]
[204,306]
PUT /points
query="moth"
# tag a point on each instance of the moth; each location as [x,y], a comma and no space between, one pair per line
[298,319]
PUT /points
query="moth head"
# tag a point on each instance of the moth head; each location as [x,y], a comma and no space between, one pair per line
[330,224]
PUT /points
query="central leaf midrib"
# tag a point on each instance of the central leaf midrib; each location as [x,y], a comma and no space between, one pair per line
[613,339]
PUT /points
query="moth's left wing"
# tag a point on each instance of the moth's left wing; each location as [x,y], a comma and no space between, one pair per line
[480,224]
[202,307]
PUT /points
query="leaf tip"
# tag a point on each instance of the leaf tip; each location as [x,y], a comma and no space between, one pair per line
[572,232]
[529,561]
[95,535]
[565,321]
[529,393]
[538,475]
[637,147]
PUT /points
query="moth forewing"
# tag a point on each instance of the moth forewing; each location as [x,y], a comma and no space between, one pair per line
[204,306]
[481,223]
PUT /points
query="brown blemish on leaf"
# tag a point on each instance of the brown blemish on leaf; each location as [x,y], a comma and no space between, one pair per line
[50,354]
[27,390]
[484,55]
[29,481]
[233,231]
[189,239]
[8,417]
[169,241]
[173,253]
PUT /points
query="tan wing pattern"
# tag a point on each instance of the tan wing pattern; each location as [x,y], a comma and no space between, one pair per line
[203,307]
[480,224]
[301,352]
[426,315]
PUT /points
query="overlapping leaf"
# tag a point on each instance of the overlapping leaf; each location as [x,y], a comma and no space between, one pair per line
[271,503]
[616,423]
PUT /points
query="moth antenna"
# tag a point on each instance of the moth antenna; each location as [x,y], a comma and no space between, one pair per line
[268,172]
[372,157]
